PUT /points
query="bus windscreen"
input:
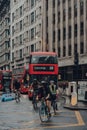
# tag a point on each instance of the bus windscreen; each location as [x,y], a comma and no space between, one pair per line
[43,59]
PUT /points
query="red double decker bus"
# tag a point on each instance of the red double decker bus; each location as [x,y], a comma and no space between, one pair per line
[22,74]
[5,80]
[43,66]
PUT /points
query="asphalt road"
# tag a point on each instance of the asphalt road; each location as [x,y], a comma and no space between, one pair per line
[21,116]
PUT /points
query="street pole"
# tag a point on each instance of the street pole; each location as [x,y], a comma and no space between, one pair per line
[77,80]
[76,63]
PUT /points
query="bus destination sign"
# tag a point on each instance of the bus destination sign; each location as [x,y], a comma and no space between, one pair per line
[43,68]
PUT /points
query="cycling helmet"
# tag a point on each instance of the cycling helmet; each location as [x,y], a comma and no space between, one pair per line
[52,81]
[43,82]
[35,81]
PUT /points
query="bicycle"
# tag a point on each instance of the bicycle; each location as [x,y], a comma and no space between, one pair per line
[34,101]
[17,96]
[43,111]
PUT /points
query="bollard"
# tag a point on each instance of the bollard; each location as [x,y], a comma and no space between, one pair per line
[74,98]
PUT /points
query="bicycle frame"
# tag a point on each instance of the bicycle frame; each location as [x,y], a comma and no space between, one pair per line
[17,96]
[43,111]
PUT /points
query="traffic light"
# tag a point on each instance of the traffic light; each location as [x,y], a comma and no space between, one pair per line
[76,58]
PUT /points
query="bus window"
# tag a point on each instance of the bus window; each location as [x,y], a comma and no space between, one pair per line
[44,59]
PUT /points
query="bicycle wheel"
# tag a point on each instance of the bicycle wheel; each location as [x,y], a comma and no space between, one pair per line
[34,102]
[17,97]
[43,113]
[35,105]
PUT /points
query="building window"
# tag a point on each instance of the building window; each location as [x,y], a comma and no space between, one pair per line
[12,43]
[53,18]
[63,1]
[32,33]
[12,17]
[69,32]
[21,27]
[58,51]
[69,13]
[32,48]
[17,40]
[75,48]
[58,17]
[46,5]
[20,39]
[81,28]
[69,50]
[81,7]
[81,48]
[12,56]
[20,53]
[21,11]
[64,15]
[59,35]
[58,2]
[32,17]
[6,33]
[53,36]
[12,30]
[64,33]
[47,38]
[75,30]
[86,10]
[32,3]
[75,9]
[64,51]
[53,3]
[46,21]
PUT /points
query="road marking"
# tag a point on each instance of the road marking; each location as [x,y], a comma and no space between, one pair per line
[79,118]
[80,122]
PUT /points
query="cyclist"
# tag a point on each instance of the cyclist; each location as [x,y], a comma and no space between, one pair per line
[35,85]
[45,93]
[54,91]
[17,86]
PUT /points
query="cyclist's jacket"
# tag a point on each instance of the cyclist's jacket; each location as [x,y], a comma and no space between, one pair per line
[17,85]
[44,91]
[53,89]
[35,88]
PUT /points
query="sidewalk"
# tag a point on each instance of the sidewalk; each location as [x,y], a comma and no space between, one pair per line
[81,104]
